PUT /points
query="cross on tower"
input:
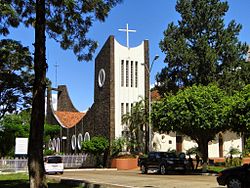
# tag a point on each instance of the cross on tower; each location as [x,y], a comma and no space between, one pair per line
[127,31]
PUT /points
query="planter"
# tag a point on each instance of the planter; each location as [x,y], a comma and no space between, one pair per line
[246,160]
[124,163]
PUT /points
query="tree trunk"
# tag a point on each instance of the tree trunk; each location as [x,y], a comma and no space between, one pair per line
[203,147]
[35,150]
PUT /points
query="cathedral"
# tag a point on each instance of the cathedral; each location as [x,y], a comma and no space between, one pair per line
[121,79]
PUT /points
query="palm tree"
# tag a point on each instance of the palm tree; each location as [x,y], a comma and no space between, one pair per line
[135,121]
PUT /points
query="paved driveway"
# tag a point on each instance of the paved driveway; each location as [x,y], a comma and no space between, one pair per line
[114,178]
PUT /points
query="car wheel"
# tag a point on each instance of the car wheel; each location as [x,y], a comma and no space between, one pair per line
[234,183]
[163,169]
[144,169]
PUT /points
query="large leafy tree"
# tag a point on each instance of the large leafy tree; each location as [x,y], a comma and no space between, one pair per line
[17,125]
[66,21]
[240,114]
[16,73]
[201,49]
[199,112]
[135,120]
[12,126]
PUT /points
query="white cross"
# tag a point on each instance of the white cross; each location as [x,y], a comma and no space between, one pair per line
[127,31]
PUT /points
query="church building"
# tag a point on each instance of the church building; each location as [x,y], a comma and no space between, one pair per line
[121,79]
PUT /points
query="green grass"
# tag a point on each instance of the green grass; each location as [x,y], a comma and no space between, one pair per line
[20,180]
[216,168]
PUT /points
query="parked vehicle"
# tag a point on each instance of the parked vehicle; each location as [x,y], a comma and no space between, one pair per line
[163,162]
[53,164]
[237,177]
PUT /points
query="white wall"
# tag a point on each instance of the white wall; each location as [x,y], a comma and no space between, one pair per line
[230,140]
[163,142]
[127,94]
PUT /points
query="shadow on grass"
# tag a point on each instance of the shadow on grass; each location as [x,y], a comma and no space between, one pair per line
[25,184]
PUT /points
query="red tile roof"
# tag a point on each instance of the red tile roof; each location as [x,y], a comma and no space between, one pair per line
[69,119]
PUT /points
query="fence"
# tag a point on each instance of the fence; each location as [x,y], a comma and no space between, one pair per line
[70,161]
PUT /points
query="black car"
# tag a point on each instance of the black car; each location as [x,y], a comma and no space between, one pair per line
[163,162]
[237,177]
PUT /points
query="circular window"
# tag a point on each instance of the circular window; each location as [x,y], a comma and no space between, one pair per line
[101,77]
[73,142]
[79,141]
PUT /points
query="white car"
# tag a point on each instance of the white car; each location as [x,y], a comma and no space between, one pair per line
[53,164]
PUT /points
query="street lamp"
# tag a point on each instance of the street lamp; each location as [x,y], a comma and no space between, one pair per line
[149,130]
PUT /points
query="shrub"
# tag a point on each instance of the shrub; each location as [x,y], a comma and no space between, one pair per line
[96,146]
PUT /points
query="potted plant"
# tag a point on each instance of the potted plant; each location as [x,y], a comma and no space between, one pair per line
[121,158]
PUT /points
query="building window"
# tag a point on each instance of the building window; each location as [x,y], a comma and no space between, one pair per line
[170,142]
[126,73]
[131,107]
[86,137]
[79,141]
[132,73]
[136,74]
[127,108]
[73,142]
[122,73]
[122,110]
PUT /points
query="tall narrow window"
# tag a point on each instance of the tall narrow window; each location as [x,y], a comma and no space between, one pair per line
[127,108]
[122,110]
[122,73]
[132,73]
[131,107]
[126,73]
[136,74]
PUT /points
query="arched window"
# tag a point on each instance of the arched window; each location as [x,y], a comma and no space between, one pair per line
[86,136]
[54,144]
[58,144]
[50,144]
[73,142]
[79,141]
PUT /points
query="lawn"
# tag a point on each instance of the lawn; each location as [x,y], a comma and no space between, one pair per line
[216,169]
[20,180]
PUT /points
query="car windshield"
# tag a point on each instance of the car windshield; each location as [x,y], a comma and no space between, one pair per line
[54,159]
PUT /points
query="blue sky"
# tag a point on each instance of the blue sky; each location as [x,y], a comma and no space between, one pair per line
[149,18]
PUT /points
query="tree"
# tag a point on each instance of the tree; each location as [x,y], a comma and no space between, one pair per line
[66,21]
[240,113]
[12,126]
[16,77]
[17,125]
[201,49]
[199,112]
[96,146]
[51,131]
[135,120]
